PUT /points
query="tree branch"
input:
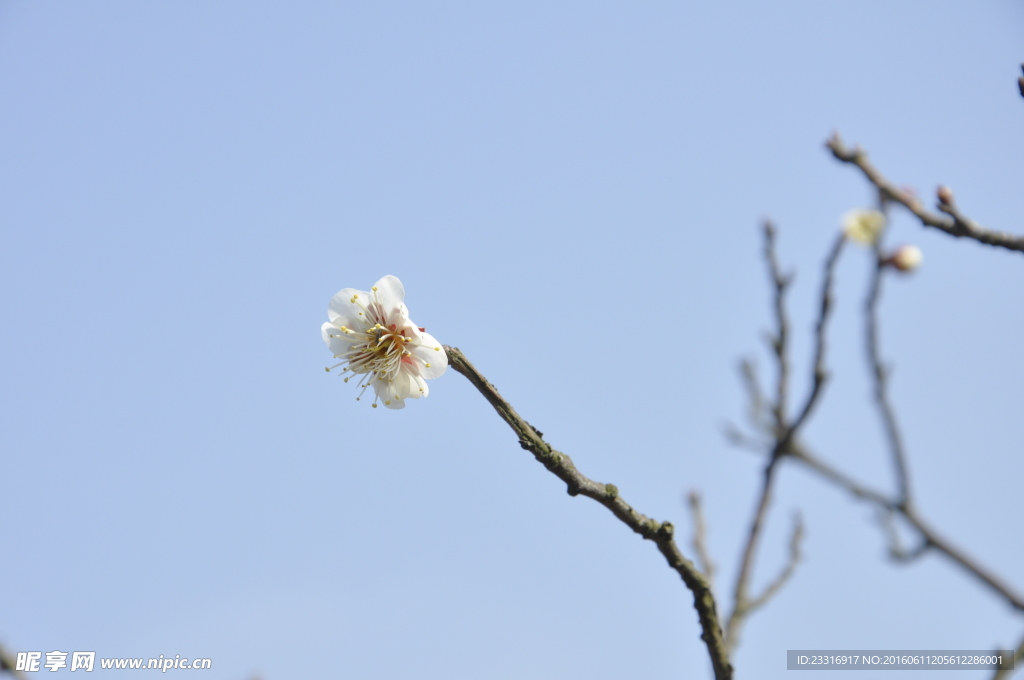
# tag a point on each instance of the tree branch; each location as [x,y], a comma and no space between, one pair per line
[700,530]
[8,663]
[661,533]
[1018,656]
[927,533]
[784,430]
[787,571]
[880,376]
[820,374]
[953,223]
[780,340]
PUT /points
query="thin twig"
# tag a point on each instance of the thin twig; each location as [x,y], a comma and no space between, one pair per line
[933,540]
[880,376]
[757,399]
[896,550]
[741,439]
[741,600]
[1018,655]
[820,374]
[700,530]
[794,557]
[780,339]
[784,431]
[953,222]
[661,533]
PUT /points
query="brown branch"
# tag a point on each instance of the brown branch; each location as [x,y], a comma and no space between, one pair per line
[741,600]
[784,431]
[953,222]
[896,550]
[1018,655]
[880,376]
[8,663]
[794,557]
[661,533]
[927,534]
[780,340]
[820,374]
[700,530]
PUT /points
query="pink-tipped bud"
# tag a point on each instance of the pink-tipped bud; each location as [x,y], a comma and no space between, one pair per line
[945,195]
[905,258]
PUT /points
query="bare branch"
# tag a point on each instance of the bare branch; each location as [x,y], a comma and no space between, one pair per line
[960,557]
[700,530]
[856,489]
[741,600]
[933,540]
[1018,655]
[741,439]
[880,376]
[779,341]
[820,374]
[783,430]
[953,223]
[755,395]
[661,533]
[886,519]
[787,571]
[8,663]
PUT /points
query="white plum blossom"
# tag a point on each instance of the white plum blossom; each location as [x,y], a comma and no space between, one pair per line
[863,226]
[373,336]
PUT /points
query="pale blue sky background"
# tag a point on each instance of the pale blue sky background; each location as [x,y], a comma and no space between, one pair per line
[571,193]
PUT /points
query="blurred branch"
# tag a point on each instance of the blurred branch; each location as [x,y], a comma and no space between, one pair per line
[953,222]
[756,406]
[661,533]
[700,530]
[785,433]
[1018,656]
[780,340]
[880,376]
[8,663]
[794,557]
[886,519]
[930,537]
[820,374]
[783,430]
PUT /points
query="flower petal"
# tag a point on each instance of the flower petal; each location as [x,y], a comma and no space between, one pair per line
[341,304]
[336,345]
[390,294]
[429,351]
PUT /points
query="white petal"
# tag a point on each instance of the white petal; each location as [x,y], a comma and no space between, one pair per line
[341,305]
[390,293]
[425,351]
[405,386]
[389,392]
[334,344]
[421,384]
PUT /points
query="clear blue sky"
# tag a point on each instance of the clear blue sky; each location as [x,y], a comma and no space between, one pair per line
[571,193]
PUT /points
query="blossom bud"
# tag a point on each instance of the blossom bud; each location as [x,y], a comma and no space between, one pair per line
[945,195]
[905,258]
[863,226]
